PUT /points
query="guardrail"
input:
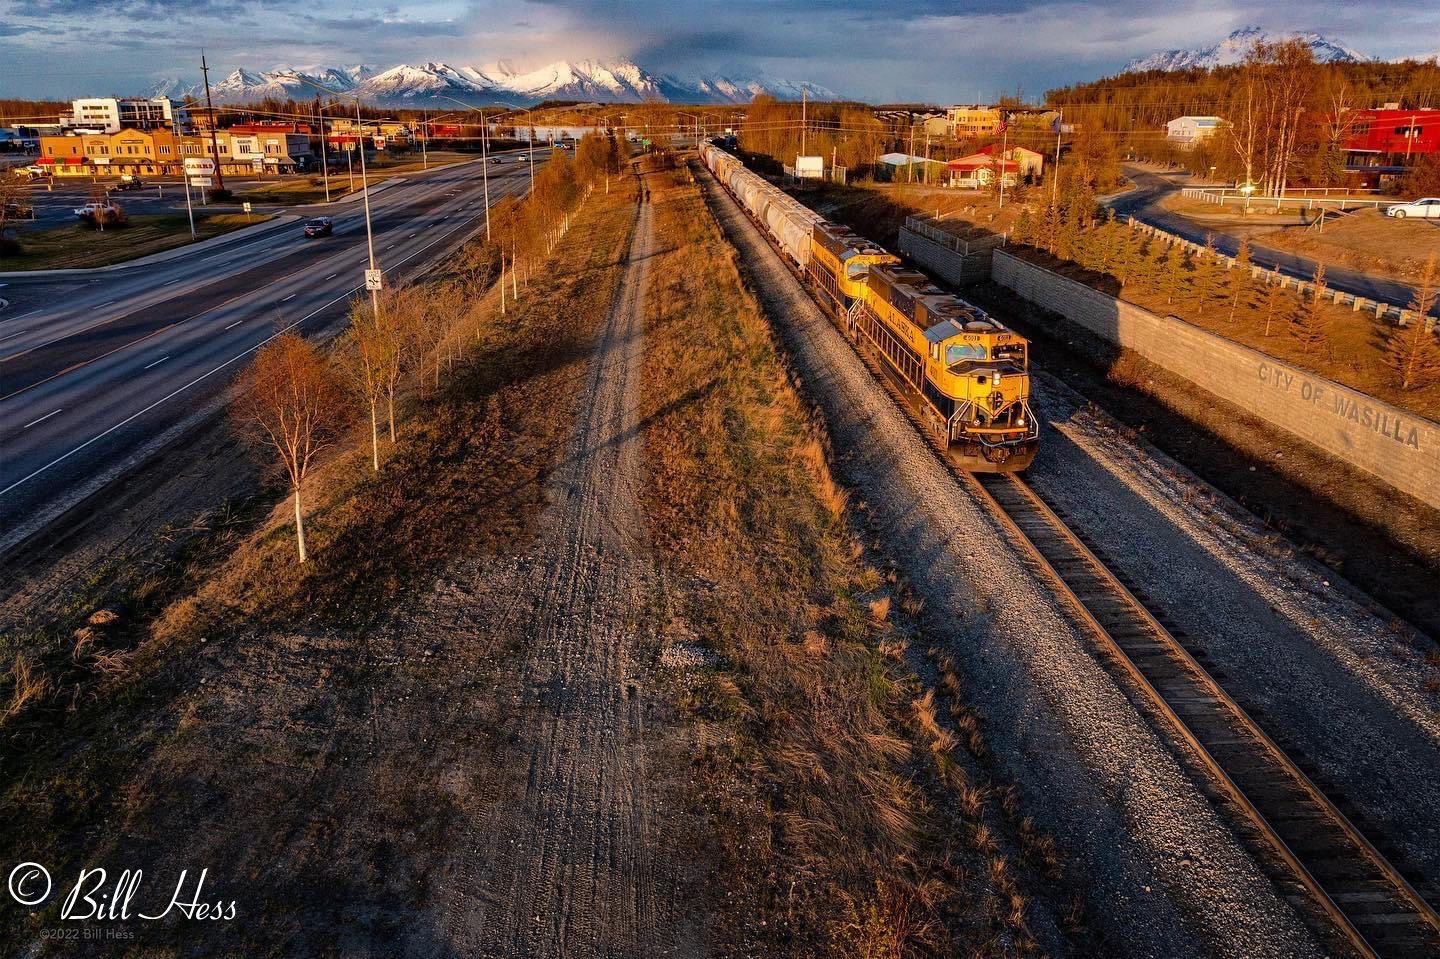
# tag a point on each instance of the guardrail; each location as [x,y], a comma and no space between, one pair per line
[1223,195]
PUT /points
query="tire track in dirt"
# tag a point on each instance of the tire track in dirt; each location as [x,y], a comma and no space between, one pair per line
[574,860]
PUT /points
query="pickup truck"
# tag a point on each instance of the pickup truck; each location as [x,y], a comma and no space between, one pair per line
[91,210]
[32,172]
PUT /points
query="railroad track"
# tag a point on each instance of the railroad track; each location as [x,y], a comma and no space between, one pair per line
[1363,894]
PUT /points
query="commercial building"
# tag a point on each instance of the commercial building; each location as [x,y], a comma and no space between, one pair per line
[973,121]
[162,152]
[113,114]
[1186,132]
[1385,144]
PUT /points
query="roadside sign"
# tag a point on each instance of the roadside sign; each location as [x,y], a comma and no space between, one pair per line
[200,181]
[199,166]
[372,280]
[258,164]
[379,143]
[246,206]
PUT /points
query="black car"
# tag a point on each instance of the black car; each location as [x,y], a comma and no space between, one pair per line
[320,226]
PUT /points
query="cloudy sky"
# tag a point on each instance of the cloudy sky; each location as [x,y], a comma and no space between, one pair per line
[871,49]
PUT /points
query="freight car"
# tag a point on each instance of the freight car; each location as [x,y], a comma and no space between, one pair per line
[964,374]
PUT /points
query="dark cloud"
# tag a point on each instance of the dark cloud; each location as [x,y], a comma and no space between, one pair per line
[905,49]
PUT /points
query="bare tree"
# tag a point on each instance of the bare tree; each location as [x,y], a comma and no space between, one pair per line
[1413,351]
[367,362]
[292,399]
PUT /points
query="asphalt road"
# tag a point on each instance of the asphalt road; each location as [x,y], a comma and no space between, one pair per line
[99,367]
[1144,204]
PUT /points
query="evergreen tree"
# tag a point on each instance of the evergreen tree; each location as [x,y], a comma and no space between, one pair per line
[1175,277]
[1024,229]
[1048,228]
[1272,297]
[1412,351]
[1127,256]
[1240,278]
[1152,266]
[1309,323]
[1208,276]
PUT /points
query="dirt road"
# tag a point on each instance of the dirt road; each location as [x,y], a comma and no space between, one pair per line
[574,860]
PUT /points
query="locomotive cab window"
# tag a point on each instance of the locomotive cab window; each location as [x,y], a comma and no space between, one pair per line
[855,270]
[957,353]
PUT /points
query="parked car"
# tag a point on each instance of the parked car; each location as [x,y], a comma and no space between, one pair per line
[31,172]
[1429,207]
[19,211]
[91,211]
[319,226]
[128,182]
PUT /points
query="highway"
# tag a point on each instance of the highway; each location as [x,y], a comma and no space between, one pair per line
[100,367]
[1144,204]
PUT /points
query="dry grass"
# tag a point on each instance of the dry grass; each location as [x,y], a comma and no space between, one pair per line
[79,246]
[742,497]
[1366,241]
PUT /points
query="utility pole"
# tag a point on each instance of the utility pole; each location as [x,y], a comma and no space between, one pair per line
[324,158]
[910,155]
[210,109]
[1409,138]
[804,123]
[424,140]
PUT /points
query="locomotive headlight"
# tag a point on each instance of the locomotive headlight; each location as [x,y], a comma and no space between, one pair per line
[996,380]
[1020,421]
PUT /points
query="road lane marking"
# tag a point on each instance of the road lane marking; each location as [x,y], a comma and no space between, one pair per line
[332,276]
[158,362]
[288,298]
[23,315]
[235,324]
[412,236]
[107,303]
[206,375]
[13,335]
[172,282]
[40,420]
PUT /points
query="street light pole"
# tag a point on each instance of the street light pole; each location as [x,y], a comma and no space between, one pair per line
[365,194]
[324,156]
[484,156]
[424,141]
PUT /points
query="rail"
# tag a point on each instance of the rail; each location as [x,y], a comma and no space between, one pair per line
[1365,897]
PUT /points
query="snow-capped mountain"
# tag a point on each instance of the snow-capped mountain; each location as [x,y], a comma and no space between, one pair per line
[282,81]
[1233,49]
[617,81]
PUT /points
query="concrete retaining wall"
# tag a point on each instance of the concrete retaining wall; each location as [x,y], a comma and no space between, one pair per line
[1398,447]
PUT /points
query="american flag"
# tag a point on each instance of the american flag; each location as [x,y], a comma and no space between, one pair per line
[1004,124]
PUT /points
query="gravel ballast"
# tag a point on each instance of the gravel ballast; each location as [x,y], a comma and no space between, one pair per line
[1338,679]
[1164,875]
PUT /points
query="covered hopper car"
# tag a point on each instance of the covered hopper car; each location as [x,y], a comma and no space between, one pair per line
[963,373]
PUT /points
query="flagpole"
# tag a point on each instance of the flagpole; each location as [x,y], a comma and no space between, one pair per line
[1004,148]
[1055,186]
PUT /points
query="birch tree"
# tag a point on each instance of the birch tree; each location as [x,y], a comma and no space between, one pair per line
[292,399]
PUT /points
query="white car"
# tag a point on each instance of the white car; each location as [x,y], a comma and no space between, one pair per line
[1428,207]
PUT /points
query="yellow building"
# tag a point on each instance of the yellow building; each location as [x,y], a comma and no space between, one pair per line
[973,121]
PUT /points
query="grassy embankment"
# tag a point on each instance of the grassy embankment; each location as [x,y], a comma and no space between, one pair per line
[1367,241]
[859,813]
[1354,353]
[79,246]
[201,685]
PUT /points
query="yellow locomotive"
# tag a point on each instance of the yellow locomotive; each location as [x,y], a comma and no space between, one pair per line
[963,372]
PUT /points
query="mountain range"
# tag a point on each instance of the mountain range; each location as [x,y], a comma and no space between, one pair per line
[1233,49]
[612,81]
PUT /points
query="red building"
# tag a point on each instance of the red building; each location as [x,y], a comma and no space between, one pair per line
[1384,144]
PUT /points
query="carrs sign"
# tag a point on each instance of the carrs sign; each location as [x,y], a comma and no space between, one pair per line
[199,166]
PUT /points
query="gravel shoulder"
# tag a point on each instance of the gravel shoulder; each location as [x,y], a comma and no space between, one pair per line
[1166,877]
[1335,676]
